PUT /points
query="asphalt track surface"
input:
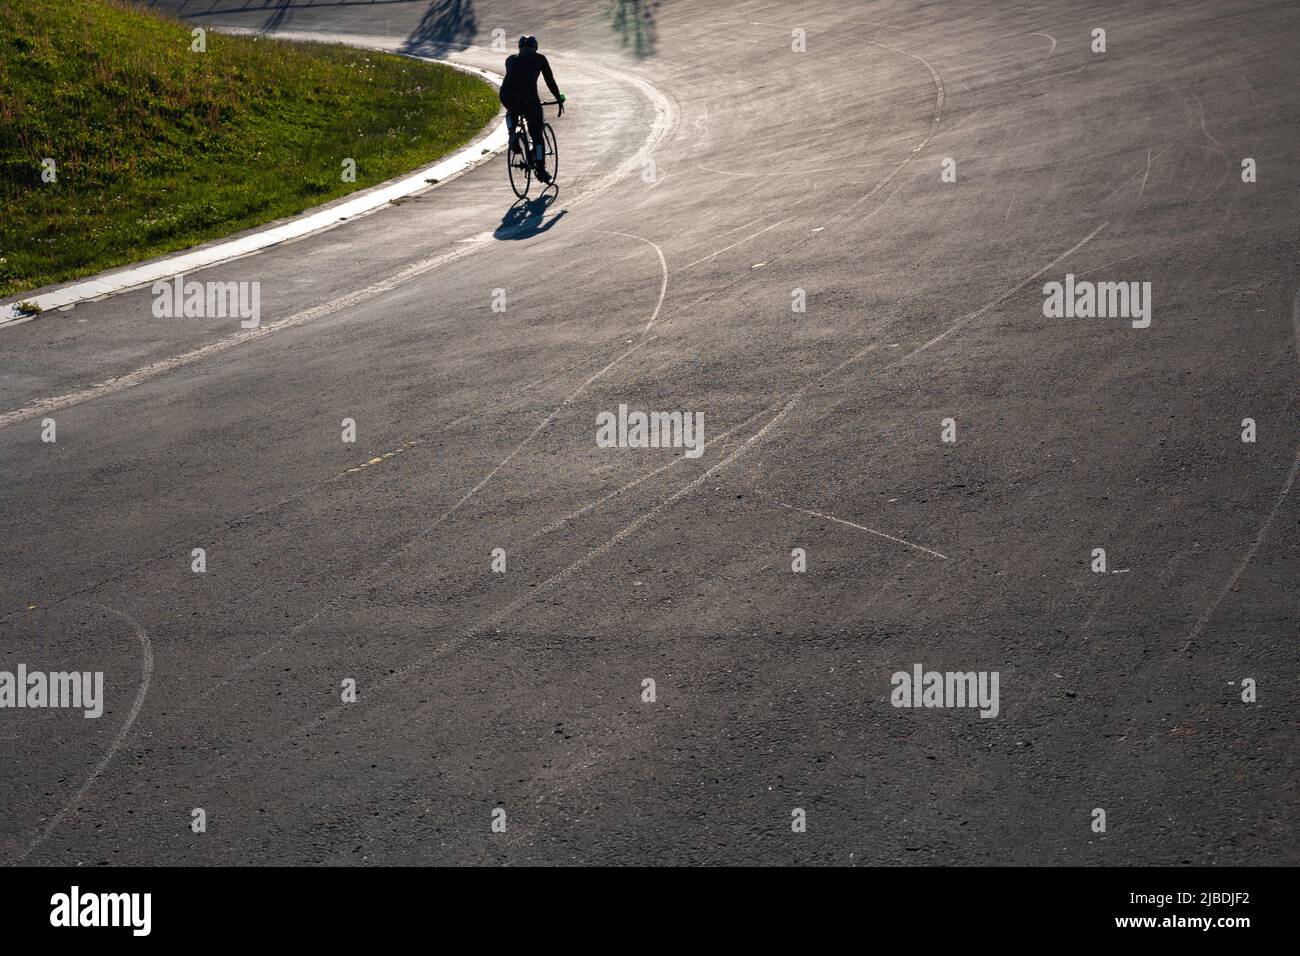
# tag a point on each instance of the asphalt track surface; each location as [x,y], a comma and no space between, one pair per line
[772,170]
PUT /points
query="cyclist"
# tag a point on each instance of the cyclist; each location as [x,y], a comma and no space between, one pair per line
[519,97]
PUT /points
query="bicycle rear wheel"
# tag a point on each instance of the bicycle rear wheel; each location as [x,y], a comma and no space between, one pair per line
[552,153]
[521,171]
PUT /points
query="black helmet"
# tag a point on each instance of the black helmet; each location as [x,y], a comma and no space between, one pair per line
[527,42]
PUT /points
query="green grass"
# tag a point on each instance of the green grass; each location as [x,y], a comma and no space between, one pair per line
[158,148]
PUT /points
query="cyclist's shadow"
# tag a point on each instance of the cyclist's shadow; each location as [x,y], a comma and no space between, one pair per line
[527,217]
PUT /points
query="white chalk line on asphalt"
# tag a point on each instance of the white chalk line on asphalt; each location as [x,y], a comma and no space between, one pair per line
[744,225]
[526,441]
[940,99]
[1151,158]
[1209,612]
[672,463]
[851,524]
[663,265]
[1201,108]
[69,808]
[732,246]
[971,316]
[1049,37]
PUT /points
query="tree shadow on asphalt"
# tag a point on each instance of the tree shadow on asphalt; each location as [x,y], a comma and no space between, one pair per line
[527,217]
[445,26]
[193,8]
[276,18]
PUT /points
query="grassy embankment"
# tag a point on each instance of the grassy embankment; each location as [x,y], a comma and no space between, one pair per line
[157,148]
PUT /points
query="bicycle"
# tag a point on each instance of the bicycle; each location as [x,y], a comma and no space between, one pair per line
[520,165]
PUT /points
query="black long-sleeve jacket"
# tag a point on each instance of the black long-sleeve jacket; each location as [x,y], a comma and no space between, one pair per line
[522,70]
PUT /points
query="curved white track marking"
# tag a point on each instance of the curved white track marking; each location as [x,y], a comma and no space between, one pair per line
[1201,107]
[664,119]
[938,86]
[663,265]
[1049,37]
[663,289]
[1208,614]
[879,534]
[69,808]
[1145,174]
[940,99]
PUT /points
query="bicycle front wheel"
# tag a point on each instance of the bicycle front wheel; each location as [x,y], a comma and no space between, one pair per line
[552,153]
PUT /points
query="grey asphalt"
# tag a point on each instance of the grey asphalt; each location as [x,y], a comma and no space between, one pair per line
[772,171]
